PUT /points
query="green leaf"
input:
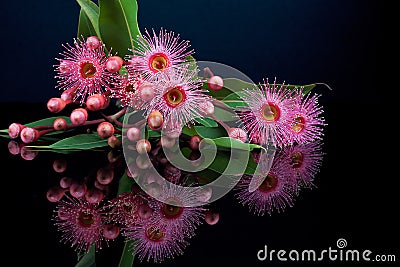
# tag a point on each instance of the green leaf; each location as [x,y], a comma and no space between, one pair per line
[118,24]
[88,18]
[207,122]
[85,27]
[77,142]
[212,133]
[189,131]
[235,103]
[46,121]
[88,260]
[125,184]
[130,8]
[231,143]
[127,256]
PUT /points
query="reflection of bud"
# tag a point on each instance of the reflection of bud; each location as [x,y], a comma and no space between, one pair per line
[54,194]
[211,217]
[204,194]
[59,165]
[13,147]
[111,231]
[27,153]
[105,175]
[167,142]
[77,190]
[143,162]
[66,182]
[94,195]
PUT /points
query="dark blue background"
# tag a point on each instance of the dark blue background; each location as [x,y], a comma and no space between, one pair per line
[300,42]
[344,43]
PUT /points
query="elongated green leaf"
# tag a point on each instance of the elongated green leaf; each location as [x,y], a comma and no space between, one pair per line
[118,24]
[85,27]
[220,163]
[88,260]
[130,8]
[235,103]
[90,19]
[212,133]
[46,121]
[127,256]
[207,122]
[231,143]
[189,131]
[77,142]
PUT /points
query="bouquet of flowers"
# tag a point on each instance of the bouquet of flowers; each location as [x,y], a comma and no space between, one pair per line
[185,132]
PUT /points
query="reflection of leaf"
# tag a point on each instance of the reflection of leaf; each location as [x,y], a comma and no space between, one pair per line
[127,256]
[77,142]
[88,260]
[125,184]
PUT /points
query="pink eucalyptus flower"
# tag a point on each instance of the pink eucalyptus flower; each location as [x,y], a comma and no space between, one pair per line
[80,222]
[178,96]
[306,121]
[154,54]
[267,117]
[82,71]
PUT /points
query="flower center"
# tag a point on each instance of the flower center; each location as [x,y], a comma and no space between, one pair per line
[174,97]
[130,88]
[296,159]
[171,210]
[269,184]
[270,112]
[159,62]
[298,124]
[154,233]
[86,219]
[88,70]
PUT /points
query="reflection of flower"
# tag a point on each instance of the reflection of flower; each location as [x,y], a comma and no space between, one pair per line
[82,71]
[268,113]
[154,242]
[80,222]
[154,54]
[174,212]
[275,192]
[302,162]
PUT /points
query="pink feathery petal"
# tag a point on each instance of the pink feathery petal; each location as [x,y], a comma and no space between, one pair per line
[154,242]
[178,96]
[307,122]
[80,222]
[82,70]
[155,54]
[267,116]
